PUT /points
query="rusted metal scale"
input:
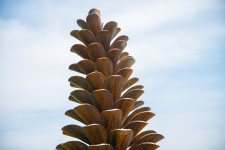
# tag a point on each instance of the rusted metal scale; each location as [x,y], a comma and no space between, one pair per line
[108,105]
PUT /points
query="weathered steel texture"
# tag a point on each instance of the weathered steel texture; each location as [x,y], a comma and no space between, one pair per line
[108,105]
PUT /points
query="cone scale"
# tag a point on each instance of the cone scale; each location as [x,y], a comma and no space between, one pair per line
[108,99]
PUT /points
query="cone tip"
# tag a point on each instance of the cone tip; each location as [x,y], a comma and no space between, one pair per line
[94,11]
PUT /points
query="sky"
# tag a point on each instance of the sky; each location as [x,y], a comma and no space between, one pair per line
[179,49]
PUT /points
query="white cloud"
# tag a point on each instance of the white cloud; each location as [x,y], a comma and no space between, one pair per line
[150,14]
[175,49]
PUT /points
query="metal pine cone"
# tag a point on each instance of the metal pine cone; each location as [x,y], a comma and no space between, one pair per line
[108,99]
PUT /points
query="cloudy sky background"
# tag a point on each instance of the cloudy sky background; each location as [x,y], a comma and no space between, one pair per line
[179,49]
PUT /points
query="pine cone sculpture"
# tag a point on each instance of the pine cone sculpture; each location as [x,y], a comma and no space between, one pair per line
[108,99]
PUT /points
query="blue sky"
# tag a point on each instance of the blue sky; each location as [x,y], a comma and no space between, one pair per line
[180,59]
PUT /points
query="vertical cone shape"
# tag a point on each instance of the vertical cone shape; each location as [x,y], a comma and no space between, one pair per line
[108,105]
